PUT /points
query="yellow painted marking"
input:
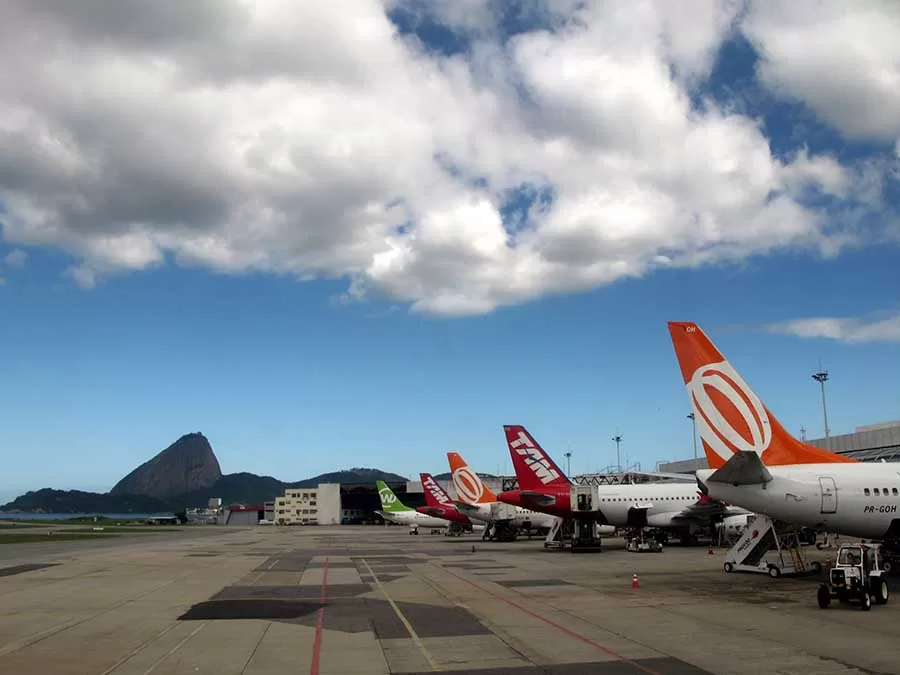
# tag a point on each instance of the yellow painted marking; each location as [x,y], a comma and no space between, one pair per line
[412,633]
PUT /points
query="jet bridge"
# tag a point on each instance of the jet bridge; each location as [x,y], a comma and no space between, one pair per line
[771,547]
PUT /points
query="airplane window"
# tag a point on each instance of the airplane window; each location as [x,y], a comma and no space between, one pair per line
[884,491]
[894,490]
[866,492]
[875,490]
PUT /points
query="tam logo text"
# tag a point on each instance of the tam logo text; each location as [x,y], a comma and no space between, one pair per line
[437,492]
[534,458]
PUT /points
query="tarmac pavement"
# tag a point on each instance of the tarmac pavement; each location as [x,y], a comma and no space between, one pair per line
[355,600]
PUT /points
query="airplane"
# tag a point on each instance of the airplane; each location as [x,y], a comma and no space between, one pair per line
[393,510]
[544,487]
[474,499]
[755,463]
[439,504]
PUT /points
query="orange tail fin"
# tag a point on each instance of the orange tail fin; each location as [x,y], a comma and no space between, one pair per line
[534,468]
[468,485]
[729,416]
[434,493]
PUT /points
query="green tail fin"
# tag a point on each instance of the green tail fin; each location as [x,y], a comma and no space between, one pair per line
[389,501]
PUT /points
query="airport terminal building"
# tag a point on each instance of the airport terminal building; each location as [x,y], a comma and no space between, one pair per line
[870,443]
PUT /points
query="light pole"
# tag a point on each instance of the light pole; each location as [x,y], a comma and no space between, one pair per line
[618,439]
[822,377]
[568,456]
[693,420]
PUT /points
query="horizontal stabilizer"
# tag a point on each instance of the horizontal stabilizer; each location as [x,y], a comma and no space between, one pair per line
[537,497]
[466,509]
[744,468]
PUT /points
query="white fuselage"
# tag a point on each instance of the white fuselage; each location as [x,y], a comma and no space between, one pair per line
[414,518]
[666,503]
[524,517]
[837,498]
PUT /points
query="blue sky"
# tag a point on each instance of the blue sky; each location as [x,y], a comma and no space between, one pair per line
[287,380]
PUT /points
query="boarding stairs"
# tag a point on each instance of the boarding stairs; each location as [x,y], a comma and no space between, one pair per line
[576,534]
[768,546]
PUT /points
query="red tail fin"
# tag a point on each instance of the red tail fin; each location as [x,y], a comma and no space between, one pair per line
[534,468]
[728,414]
[468,485]
[434,493]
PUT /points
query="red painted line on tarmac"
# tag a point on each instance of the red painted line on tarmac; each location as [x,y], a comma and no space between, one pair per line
[549,622]
[320,620]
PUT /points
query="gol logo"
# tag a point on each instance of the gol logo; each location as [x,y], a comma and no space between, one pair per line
[468,485]
[718,432]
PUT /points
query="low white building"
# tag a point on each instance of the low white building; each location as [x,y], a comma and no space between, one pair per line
[309,506]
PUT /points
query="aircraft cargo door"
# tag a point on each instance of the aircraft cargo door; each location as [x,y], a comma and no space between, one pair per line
[829,494]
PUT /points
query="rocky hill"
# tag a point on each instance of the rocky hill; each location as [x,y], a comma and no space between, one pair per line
[184,475]
[189,464]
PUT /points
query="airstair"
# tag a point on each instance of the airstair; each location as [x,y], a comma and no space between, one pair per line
[577,534]
[771,547]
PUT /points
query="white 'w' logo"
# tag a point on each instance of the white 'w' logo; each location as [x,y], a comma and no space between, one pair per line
[534,458]
[468,485]
[387,497]
[718,433]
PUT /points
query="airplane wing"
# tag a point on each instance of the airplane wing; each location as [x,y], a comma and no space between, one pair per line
[432,511]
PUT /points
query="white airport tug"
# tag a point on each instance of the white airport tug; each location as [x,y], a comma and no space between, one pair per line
[856,577]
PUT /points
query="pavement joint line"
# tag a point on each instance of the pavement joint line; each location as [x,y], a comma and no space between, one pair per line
[259,576]
[550,622]
[141,647]
[175,648]
[53,630]
[256,647]
[320,619]
[412,633]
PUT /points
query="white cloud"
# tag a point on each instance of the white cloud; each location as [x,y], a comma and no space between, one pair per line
[885,328]
[293,138]
[841,58]
[16,258]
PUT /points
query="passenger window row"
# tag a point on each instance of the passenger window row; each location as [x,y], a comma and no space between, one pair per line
[626,499]
[883,492]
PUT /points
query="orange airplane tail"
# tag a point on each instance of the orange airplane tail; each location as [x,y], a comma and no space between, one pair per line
[468,485]
[729,415]
[534,468]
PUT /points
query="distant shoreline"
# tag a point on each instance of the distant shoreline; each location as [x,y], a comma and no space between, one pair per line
[19,515]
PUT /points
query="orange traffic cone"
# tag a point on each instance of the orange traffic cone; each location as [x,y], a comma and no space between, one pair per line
[634,581]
